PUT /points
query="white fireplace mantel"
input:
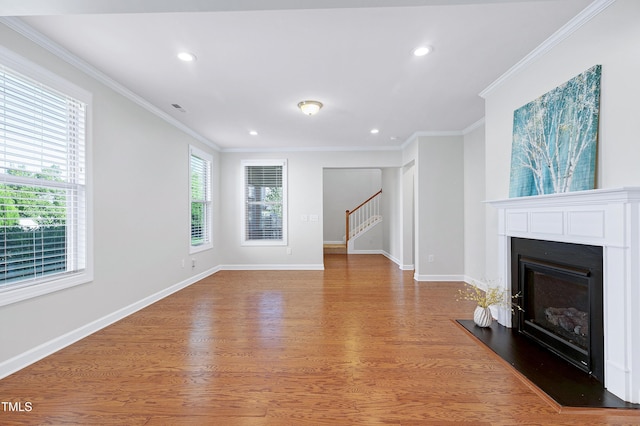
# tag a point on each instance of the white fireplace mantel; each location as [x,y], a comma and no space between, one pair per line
[603,217]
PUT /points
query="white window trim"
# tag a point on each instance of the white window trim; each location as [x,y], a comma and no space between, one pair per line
[31,70]
[285,223]
[209,158]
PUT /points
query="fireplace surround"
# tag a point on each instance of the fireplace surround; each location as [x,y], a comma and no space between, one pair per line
[606,218]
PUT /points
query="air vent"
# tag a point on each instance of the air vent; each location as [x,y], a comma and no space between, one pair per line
[178,107]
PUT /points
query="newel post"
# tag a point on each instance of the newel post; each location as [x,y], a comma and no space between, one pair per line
[346,215]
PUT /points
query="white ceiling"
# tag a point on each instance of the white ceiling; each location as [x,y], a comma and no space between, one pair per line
[257,59]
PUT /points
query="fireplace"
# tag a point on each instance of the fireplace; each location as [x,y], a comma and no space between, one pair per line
[558,287]
[606,218]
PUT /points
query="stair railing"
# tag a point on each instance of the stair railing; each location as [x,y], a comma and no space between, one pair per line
[360,218]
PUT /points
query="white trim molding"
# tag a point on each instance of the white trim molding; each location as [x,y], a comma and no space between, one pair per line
[439,278]
[27,31]
[376,251]
[473,127]
[609,218]
[556,38]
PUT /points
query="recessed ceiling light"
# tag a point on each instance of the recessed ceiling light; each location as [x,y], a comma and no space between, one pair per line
[253,133]
[186,56]
[375,131]
[422,50]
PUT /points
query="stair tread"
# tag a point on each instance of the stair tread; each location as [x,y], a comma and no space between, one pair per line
[335,249]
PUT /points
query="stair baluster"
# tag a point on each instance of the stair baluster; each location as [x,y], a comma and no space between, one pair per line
[362,217]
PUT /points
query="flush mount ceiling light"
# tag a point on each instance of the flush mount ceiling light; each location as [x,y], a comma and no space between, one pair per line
[375,131]
[422,50]
[253,133]
[186,56]
[310,107]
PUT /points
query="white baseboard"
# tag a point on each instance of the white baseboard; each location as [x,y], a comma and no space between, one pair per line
[397,262]
[391,258]
[475,282]
[37,353]
[446,278]
[354,251]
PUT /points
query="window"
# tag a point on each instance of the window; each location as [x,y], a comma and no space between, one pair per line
[200,182]
[265,207]
[43,190]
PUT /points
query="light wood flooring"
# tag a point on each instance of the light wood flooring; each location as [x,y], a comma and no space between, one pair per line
[360,343]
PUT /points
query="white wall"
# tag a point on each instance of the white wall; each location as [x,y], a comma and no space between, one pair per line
[345,189]
[141,217]
[391,207]
[474,207]
[305,178]
[410,198]
[369,242]
[610,39]
[407,215]
[439,206]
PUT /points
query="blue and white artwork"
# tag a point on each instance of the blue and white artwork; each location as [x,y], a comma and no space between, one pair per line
[554,139]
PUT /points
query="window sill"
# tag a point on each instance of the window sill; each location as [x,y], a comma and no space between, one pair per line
[200,248]
[30,291]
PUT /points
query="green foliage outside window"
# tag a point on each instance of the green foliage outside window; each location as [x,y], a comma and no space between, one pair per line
[32,223]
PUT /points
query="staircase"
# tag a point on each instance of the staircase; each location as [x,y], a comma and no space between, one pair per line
[361,219]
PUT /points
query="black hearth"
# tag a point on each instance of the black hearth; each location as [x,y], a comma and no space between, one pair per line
[559,288]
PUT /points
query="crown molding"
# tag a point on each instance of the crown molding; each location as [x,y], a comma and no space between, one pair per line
[556,38]
[473,126]
[40,39]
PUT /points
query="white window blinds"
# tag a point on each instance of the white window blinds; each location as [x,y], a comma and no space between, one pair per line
[265,202]
[200,167]
[42,182]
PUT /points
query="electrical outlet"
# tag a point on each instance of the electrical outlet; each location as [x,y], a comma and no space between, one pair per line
[431,258]
[193,263]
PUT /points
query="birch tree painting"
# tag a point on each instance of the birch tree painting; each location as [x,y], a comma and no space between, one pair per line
[554,139]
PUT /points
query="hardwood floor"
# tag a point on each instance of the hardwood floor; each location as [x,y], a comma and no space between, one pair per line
[335,249]
[358,343]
